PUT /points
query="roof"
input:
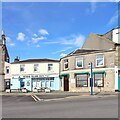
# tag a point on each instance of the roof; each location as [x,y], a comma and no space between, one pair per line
[35,60]
[80,51]
[111,30]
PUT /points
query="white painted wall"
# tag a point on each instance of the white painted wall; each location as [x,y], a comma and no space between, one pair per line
[116,35]
[29,68]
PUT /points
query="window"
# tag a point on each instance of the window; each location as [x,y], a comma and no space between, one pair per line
[36,66]
[65,64]
[7,70]
[22,84]
[99,60]
[51,83]
[79,62]
[99,80]
[22,68]
[82,80]
[50,67]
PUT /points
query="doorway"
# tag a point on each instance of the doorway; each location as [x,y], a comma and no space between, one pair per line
[66,83]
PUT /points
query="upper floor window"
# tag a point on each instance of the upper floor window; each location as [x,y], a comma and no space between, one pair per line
[36,66]
[99,60]
[22,68]
[7,70]
[65,64]
[50,67]
[79,62]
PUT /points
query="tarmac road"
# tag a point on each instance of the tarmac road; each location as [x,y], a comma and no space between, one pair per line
[75,107]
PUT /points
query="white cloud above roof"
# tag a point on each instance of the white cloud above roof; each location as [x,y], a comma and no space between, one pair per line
[43,32]
[21,36]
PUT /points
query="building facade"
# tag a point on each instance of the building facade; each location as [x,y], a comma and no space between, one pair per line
[104,53]
[4,57]
[35,74]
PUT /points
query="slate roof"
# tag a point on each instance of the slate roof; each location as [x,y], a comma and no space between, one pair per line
[35,61]
[80,51]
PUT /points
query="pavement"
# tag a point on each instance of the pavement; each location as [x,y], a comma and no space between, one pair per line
[42,96]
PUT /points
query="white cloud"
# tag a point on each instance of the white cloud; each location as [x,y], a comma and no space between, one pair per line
[63,55]
[9,41]
[21,36]
[38,46]
[43,32]
[93,6]
[63,50]
[37,39]
[114,18]
[74,40]
[35,35]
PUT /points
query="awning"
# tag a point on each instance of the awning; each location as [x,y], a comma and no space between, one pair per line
[80,73]
[99,72]
[62,75]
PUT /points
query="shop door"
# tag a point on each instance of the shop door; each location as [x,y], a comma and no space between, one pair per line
[66,83]
[118,80]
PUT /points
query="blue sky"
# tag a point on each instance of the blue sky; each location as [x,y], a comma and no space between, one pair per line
[51,30]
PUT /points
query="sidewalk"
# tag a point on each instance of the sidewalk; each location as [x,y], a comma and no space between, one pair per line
[63,93]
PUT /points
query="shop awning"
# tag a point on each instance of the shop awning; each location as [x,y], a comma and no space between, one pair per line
[99,72]
[80,73]
[62,75]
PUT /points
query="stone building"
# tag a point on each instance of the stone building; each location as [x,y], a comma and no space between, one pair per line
[104,53]
[4,57]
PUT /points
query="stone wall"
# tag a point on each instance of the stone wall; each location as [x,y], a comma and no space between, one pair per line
[117,56]
[1,69]
[97,42]
[109,61]
[109,77]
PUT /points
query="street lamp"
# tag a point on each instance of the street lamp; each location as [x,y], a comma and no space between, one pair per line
[91,79]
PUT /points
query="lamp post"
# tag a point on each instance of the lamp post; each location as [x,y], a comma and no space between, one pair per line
[91,79]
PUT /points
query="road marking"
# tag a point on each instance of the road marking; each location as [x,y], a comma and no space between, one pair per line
[54,99]
[38,98]
[34,98]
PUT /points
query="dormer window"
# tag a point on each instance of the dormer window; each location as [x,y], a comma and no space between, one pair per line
[99,60]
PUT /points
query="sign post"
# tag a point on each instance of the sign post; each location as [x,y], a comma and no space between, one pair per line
[91,79]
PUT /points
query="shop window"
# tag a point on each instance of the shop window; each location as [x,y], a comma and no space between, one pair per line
[65,64]
[22,68]
[51,83]
[22,84]
[99,80]
[79,62]
[50,67]
[99,60]
[36,67]
[82,80]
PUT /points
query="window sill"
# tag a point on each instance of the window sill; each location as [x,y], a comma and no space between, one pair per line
[65,69]
[78,68]
[101,66]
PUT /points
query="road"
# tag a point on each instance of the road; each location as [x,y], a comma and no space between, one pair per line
[75,107]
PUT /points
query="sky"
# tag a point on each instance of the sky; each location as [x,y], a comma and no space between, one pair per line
[54,29]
